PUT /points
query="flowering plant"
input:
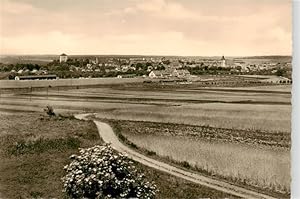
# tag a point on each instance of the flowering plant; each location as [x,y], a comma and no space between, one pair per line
[101,172]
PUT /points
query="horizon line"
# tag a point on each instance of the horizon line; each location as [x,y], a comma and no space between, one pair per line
[148,55]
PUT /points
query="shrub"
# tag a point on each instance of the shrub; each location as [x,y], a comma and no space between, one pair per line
[151,153]
[49,111]
[185,164]
[101,172]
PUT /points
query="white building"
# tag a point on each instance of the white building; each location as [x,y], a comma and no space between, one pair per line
[63,58]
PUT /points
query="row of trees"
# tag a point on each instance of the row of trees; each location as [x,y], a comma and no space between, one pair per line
[74,68]
[94,74]
[203,70]
[17,67]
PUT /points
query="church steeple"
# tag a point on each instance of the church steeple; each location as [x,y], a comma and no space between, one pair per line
[223,62]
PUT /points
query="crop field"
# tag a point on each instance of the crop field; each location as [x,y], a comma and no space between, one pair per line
[223,108]
[238,134]
[258,159]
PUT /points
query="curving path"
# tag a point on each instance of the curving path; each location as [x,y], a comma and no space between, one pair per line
[109,136]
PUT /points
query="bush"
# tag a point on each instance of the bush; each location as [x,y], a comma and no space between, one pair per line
[101,172]
[49,111]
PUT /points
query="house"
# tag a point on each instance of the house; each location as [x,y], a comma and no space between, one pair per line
[162,73]
[155,74]
[20,71]
[63,58]
[182,73]
[168,73]
[34,71]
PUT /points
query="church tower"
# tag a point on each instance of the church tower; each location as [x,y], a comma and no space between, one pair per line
[223,62]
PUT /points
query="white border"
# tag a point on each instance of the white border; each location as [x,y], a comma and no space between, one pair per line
[295,192]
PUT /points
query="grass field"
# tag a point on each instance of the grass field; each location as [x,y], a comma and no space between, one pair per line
[260,167]
[236,156]
[35,148]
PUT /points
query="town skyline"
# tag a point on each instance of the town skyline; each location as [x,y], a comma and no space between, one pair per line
[146,27]
[147,55]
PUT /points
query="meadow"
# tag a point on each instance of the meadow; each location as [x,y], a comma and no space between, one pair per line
[34,149]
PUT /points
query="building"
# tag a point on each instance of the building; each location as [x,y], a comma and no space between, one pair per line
[127,76]
[36,77]
[182,73]
[168,73]
[160,74]
[276,80]
[223,62]
[63,58]
[96,61]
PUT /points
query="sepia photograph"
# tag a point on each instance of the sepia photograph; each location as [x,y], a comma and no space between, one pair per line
[167,99]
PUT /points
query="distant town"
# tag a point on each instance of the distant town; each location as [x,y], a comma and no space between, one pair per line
[153,67]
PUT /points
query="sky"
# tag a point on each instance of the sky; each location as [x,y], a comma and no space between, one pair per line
[146,27]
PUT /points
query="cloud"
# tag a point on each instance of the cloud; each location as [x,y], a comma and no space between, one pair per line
[16,8]
[54,41]
[159,9]
[187,27]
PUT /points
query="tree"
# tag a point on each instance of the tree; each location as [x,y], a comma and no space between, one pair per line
[280,72]
[139,66]
[101,172]
[166,62]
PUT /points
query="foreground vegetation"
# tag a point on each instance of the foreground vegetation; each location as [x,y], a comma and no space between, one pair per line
[102,172]
[238,157]
[34,148]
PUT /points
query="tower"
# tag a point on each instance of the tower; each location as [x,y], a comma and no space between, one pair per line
[63,58]
[223,62]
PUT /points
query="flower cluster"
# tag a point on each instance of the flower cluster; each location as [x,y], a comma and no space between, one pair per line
[101,172]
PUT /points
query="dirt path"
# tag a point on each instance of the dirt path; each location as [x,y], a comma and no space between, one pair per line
[109,136]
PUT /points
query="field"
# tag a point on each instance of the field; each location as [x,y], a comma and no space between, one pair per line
[236,134]
[34,149]
[224,108]
[259,159]
[10,84]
